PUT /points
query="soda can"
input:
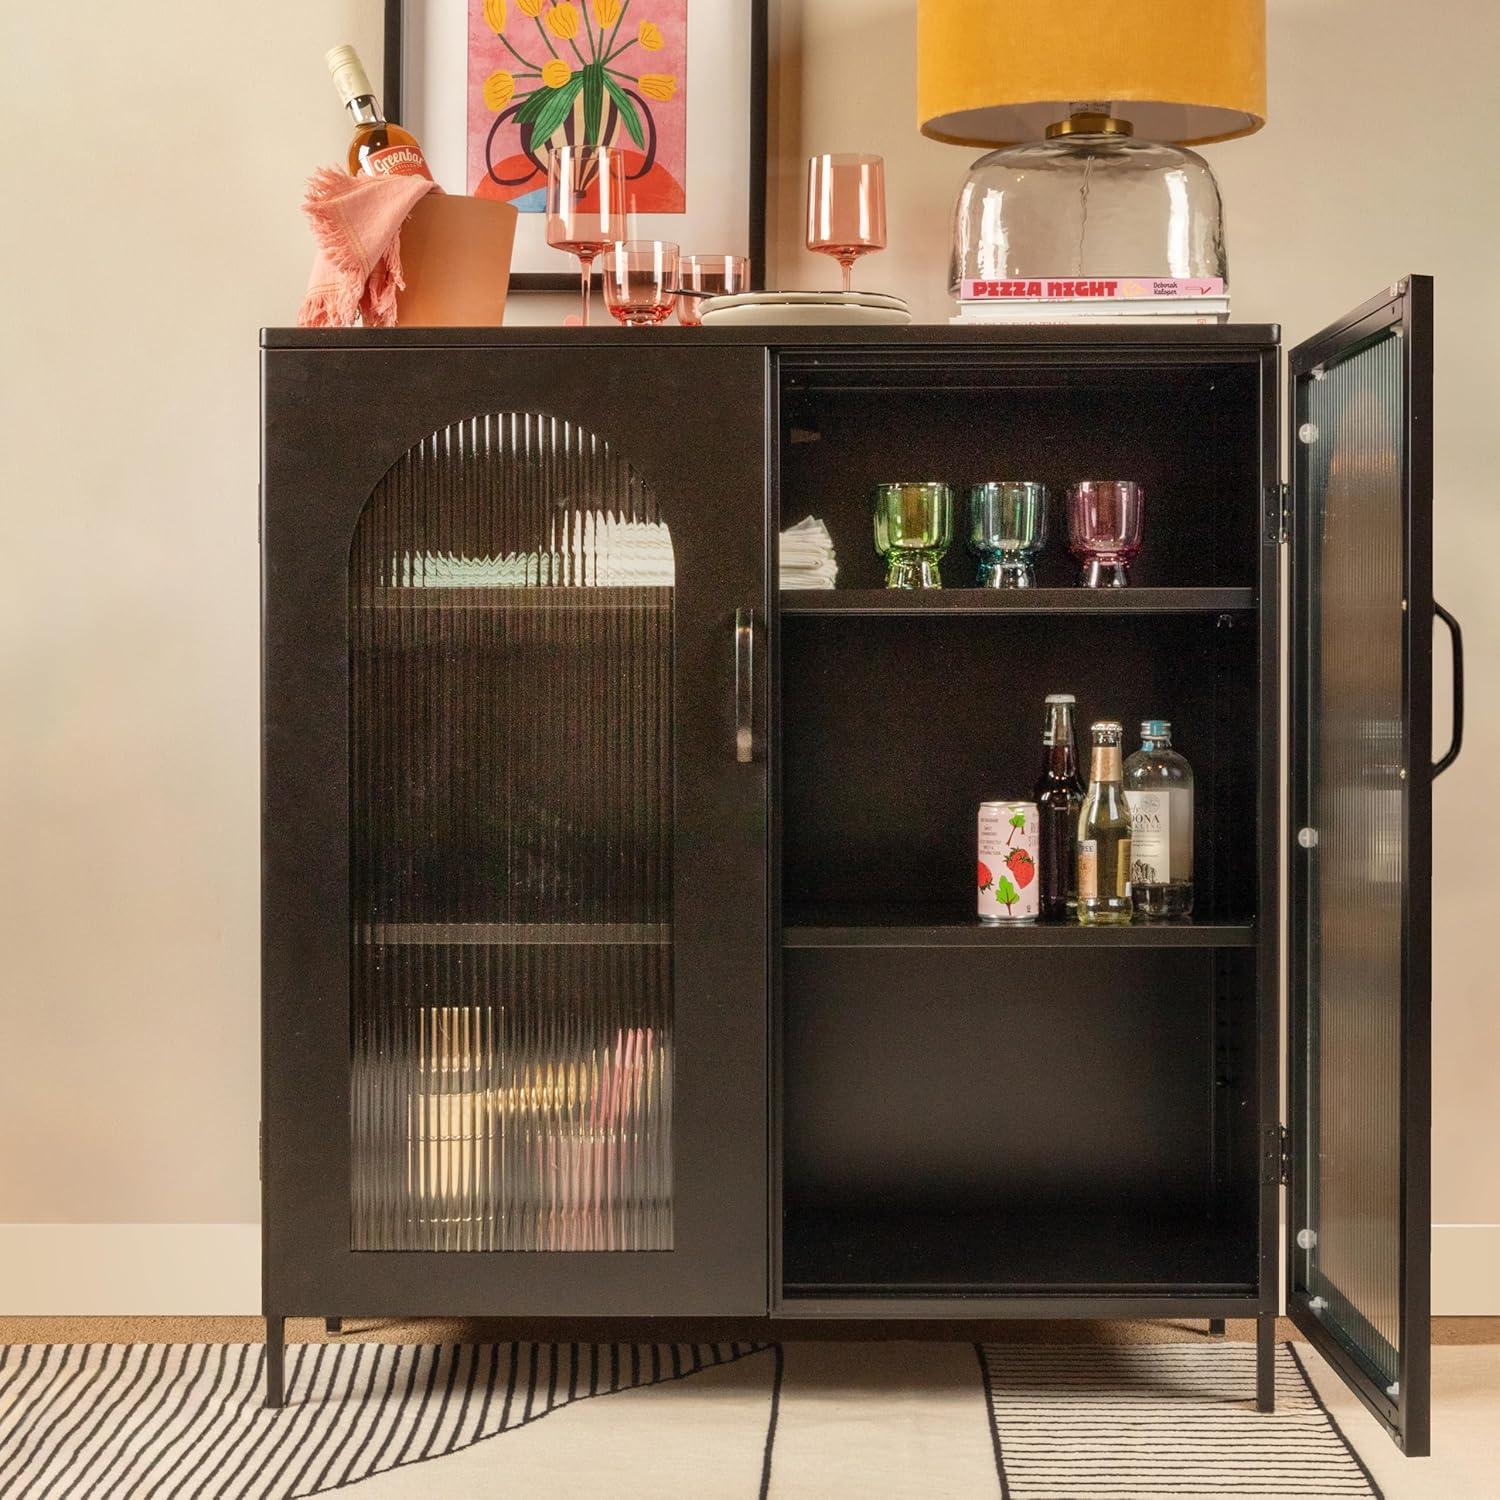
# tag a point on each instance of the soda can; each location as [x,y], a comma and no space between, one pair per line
[1009,845]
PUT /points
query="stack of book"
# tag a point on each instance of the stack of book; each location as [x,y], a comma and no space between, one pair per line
[1060,299]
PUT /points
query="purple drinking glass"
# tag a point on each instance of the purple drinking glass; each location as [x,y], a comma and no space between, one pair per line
[1104,529]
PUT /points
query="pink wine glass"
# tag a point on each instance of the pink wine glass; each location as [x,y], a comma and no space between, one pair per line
[585,205]
[640,281]
[1104,529]
[846,207]
[708,276]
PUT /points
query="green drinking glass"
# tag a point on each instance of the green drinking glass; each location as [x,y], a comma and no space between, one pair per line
[913,529]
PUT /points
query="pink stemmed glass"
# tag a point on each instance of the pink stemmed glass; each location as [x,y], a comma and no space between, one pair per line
[585,205]
[846,207]
[708,276]
[1104,528]
[640,281]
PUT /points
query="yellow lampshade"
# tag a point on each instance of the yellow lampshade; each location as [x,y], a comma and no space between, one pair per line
[996,72]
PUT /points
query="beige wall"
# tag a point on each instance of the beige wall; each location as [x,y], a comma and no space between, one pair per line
[152,227]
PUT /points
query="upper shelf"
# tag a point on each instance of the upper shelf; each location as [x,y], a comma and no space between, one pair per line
[1075,601]
[607,597]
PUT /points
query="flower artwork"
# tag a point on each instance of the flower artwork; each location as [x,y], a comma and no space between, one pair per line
[578,72]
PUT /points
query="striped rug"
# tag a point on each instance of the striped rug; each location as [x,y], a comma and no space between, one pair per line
[1141,1421]
[115,1420]
[778,1422]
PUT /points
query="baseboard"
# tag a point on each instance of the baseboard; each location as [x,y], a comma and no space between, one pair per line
[129,1270]
[1466,1270]
[186,1270]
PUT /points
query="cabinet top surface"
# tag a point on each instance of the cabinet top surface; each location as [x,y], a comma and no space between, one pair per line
[1187,337]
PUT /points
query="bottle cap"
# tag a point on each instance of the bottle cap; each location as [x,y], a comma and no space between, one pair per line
[349,76]
[1155,729]
[1107,732]
[1061,698]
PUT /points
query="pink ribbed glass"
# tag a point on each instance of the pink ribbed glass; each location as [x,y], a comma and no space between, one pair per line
[1104,528]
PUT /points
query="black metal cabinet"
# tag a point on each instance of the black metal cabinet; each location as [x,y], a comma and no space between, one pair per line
[619,953]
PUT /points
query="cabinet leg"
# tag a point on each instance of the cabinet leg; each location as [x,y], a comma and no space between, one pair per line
[1216,1327]
[1265,1362]
[333,1325]
[275,1362]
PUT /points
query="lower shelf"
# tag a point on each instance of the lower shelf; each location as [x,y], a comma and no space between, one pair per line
[975,1252]
[956,926]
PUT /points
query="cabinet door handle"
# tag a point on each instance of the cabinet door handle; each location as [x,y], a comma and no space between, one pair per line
[1458,689]
[744,686]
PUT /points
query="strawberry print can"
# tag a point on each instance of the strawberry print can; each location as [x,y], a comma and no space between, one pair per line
[1008,846]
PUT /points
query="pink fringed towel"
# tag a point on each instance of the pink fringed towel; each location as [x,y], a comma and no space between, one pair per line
[357,224]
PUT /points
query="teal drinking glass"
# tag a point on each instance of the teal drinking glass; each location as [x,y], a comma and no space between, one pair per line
[913,529]
[1007,529]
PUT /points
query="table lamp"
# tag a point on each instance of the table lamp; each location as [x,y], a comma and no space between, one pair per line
[1090,103]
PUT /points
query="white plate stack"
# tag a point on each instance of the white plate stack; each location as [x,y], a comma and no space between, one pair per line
[749,309]
[807,559]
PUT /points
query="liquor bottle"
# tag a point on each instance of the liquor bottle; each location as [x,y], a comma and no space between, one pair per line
[1102,848]
[1159,792]
[379,148]
[1059,796]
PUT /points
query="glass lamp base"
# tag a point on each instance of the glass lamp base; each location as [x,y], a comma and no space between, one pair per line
[913,570]
[1088,203]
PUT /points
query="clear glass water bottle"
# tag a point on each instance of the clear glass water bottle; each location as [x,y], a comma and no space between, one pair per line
[1159,792]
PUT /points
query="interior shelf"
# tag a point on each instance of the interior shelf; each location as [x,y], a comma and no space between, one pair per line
[1073,601]
[937,1250]
[880,926]
[530,934]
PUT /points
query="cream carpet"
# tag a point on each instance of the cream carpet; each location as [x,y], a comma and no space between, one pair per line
[398,1421]
[888,1418]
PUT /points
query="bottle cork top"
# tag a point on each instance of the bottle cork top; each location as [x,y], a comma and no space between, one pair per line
[349,76]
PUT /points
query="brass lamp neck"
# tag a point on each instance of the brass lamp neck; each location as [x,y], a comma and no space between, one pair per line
[1090,122]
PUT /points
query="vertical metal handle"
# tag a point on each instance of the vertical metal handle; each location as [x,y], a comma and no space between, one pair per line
[744,686]
[1458,689]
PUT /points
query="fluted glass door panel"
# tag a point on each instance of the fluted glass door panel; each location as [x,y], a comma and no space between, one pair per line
[511,816]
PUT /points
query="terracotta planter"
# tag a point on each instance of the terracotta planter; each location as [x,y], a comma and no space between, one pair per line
[455,254]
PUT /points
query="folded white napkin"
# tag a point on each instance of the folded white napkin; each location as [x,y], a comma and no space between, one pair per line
[806,556]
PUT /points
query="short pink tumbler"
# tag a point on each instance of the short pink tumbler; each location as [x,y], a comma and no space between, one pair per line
[1104,529]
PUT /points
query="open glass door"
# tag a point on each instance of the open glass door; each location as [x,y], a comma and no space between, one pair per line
[1361,773]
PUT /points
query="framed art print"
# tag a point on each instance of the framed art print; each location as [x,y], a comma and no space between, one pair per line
[488,86]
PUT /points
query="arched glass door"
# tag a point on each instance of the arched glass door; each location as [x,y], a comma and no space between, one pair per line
[511,588]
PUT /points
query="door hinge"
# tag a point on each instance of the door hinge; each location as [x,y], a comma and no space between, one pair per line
[1276,1155]
[260,1164]
[1278,514]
